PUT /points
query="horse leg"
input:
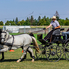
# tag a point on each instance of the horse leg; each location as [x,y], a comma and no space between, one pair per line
[1,47]
[2,56]
[31,53]
[24,53]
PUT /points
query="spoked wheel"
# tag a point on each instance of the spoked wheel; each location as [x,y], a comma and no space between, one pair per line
[53,53]
[41,54]
[66,50]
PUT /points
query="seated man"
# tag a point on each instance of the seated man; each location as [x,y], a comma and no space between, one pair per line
[65,34]
[56,27]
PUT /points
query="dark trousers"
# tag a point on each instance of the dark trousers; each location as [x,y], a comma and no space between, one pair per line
[52,32]
[48,35]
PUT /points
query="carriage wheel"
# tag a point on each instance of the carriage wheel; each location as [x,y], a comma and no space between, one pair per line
[41,54]
[66,50]
[53,53]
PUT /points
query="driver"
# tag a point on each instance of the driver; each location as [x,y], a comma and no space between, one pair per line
[56,27]
[66,34]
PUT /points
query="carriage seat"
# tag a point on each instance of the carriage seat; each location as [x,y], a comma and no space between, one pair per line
[54,36]
[57,35]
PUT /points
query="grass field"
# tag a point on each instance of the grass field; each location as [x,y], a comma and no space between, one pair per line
[11,57]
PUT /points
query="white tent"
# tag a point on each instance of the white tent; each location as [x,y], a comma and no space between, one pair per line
[14,29]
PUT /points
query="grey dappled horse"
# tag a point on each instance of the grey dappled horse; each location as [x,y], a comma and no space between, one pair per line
[19,41]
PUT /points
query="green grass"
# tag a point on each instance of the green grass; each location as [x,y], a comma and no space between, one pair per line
[11,57]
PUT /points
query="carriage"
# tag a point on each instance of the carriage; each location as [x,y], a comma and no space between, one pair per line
[54,48]
[51,49]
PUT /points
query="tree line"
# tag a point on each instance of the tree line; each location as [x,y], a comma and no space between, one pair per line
[39,22]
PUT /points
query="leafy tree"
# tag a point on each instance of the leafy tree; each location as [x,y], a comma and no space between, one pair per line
[32,20]
[39,18]
[27,22]
[66,19]
[42,22]
[61,22]
[13,20]
[44,18]
[1,23]
[16,21]
[66,22]
[35,22]
[21,22]
[48,21]
[28,19]
[10,23]
[57,15]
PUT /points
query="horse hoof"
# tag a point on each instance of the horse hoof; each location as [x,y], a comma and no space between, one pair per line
[32,60]
[18,60]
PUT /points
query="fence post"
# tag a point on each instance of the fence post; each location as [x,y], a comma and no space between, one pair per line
[24,29]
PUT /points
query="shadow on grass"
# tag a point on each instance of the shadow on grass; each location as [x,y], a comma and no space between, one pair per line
[40,59]
[8,60]
[45,59]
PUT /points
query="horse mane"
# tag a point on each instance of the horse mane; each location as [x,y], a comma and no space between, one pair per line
[31,34]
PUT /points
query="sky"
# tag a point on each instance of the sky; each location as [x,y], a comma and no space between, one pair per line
[10,9]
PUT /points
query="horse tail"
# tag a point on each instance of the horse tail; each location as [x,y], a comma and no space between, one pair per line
[35,44]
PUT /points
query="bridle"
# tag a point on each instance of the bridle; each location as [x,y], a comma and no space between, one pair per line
[11,44]
[5,35]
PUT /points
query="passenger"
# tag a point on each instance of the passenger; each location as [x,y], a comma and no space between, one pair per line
[65,34]
[55,24]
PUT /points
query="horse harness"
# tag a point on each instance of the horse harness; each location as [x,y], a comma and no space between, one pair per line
[9,44]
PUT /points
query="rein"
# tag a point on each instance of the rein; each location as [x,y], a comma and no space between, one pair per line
[44,29]
[13,40]
[67,29]
[10,44]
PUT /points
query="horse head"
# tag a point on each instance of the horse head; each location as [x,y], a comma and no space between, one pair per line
[4,36]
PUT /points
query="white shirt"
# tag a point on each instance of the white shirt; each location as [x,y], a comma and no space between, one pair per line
[55,23]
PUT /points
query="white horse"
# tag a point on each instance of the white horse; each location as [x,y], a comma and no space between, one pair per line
[19,41]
